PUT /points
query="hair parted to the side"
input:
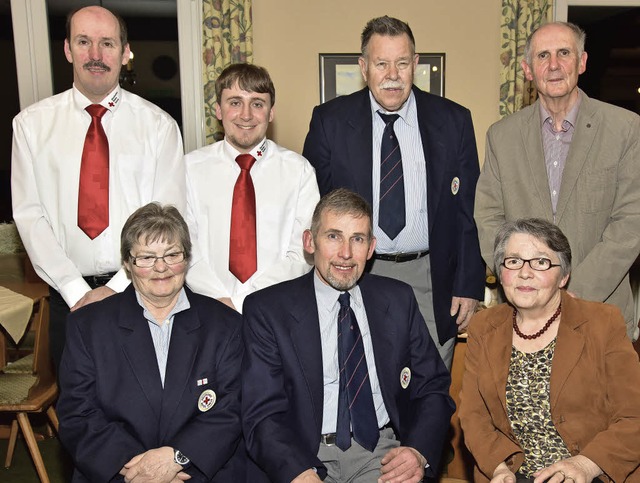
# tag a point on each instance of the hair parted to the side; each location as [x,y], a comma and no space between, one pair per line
[154,222]
[342,202]
[386,25]
[249,77]
[543,230]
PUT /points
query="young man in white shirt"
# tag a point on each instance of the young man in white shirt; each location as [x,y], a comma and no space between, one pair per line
[284,187]
[143,164]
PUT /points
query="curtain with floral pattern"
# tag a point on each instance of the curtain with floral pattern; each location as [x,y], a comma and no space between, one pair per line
[227,39]
[519,18]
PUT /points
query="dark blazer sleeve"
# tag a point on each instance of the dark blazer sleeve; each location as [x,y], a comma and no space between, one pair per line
[317,149]
[269,417]
[98,444]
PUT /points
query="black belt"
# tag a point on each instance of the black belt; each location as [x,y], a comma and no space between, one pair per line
[96,281]
[330,438]
[400,257]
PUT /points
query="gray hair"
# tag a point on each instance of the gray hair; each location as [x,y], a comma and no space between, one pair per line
[154,222]
[342,202]
[579,35]
[543,230]
[386,25]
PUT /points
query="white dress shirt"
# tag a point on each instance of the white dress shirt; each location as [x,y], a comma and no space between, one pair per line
[145,164]
[328,309]
[286,195]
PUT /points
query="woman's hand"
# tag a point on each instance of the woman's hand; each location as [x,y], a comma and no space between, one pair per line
[577,469]
[503,474]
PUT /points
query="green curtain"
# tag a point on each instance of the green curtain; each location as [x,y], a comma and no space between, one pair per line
[519,18]
[227,39]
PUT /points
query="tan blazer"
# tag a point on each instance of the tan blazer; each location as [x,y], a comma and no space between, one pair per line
[595,389]
[599,203]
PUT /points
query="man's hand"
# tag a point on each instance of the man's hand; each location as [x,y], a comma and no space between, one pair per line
[402,465]
[94,295]
[577,469]
[503,474]
[227,301]
[465,308]
[153,466]
[308,476]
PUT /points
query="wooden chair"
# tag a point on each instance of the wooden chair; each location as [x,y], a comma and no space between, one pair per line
[33,392]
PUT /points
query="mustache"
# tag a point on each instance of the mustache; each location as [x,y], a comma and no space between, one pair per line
[96,63]
[389,84]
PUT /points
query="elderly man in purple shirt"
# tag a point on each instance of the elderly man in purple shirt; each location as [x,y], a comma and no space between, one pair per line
[571,160]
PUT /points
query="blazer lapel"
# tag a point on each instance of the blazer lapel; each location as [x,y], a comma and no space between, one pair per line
[359,146]
[532,141]
[304,329]
[500,342]
[183,352]
[569,346]
[137,346]
[587,126]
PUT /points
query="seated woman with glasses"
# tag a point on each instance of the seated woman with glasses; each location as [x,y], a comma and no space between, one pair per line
[551,389]
[150,378]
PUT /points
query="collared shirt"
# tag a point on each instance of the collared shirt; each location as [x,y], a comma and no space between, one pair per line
[415,235]
[328,308]
[145,164]
[161,330]
[286,195]
[555,145]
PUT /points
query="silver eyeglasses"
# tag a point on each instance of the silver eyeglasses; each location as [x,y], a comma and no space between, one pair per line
[540,264]
[148,261]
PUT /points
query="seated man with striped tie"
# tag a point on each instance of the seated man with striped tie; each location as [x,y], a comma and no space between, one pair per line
[249,200]
[341,380]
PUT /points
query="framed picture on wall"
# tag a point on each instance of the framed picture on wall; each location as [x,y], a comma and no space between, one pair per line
[340,74]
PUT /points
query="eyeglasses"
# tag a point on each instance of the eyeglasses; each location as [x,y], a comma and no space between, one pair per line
[539,264]
[148,261]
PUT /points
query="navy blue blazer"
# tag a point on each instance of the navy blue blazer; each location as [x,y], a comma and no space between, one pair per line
[339,146]
[112,404]
[282,378]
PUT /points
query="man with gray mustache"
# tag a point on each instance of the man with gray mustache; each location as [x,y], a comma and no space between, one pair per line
[71,229]
[413,156]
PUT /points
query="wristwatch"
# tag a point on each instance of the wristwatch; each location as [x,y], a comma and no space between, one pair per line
[181,459]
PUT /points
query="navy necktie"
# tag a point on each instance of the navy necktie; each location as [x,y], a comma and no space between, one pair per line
[355,401]
[391,215]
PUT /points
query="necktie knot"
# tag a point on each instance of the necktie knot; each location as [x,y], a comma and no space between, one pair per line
[245,161]
[344,300]
[96,110]
[389,119]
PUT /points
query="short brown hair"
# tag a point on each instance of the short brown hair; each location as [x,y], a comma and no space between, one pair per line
[386,25]
[342,202]
[249,77]
[153,222]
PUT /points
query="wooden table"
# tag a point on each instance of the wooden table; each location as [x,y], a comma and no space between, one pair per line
[15,313]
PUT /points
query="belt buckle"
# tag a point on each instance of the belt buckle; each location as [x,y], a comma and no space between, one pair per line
[328,439]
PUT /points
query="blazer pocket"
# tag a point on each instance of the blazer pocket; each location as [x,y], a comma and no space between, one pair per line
[597,190]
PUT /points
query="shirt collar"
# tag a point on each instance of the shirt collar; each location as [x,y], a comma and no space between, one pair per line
[570,118]
[111,101]
[181,305]
[327,296]
[259,151]
[407,112]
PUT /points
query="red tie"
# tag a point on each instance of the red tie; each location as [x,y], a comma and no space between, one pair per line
[93,194]
[243,258]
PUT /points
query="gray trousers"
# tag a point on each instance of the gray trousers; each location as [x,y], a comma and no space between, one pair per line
[356,465]
[417,273]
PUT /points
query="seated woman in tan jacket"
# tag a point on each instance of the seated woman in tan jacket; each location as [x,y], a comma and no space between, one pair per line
[551,390]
